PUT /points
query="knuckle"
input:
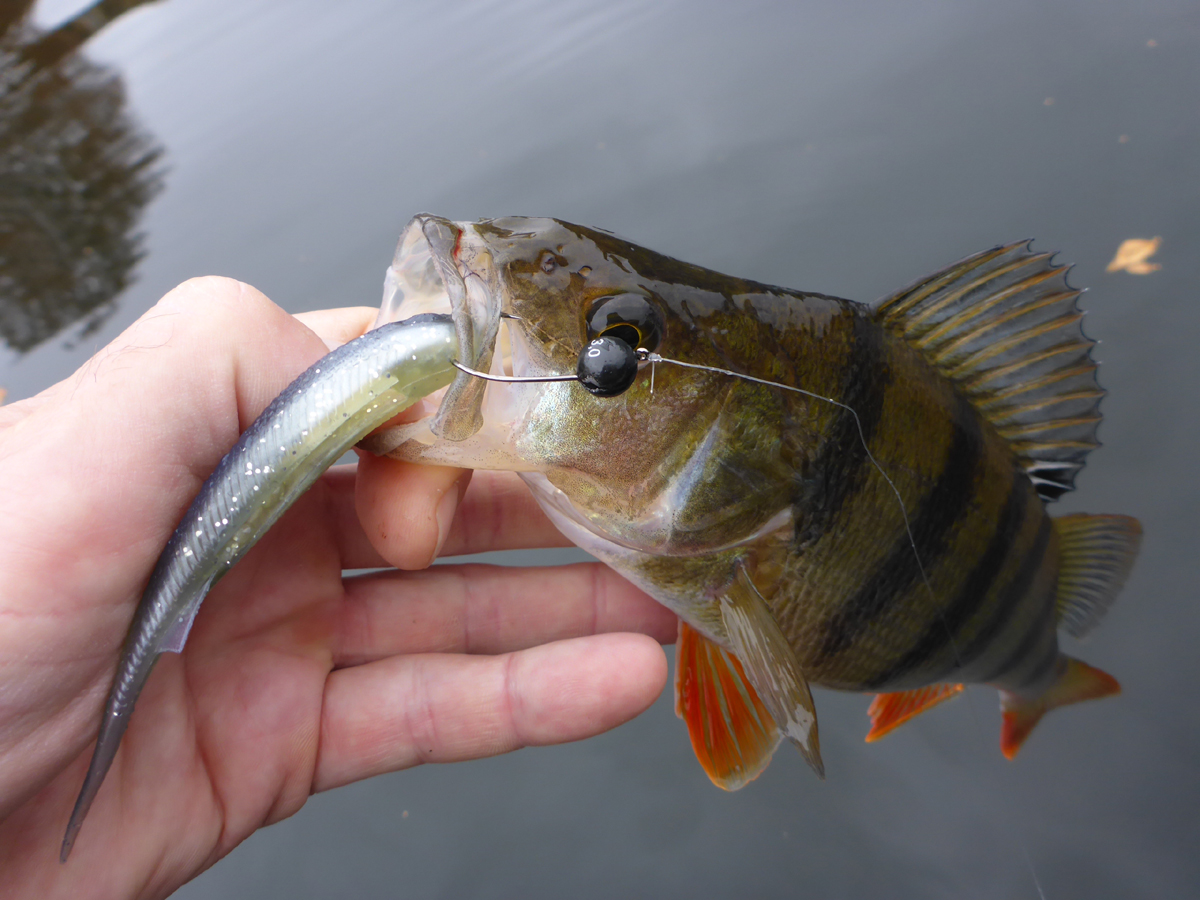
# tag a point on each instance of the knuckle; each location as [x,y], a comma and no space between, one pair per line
[512,708]
[421,722]
[216,304]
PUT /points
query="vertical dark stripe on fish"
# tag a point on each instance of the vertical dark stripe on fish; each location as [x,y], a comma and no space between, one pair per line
[1014,593]
[941,633]
[1034,633]
[1037,676]
[931,526]
[841,463]
[1035,630]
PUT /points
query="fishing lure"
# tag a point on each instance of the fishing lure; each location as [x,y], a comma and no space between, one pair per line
[304,430]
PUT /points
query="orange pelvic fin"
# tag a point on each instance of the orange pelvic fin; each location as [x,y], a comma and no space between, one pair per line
[732,733]
[1078,682]
[890,711]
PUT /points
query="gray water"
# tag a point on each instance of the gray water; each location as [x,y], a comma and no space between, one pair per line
[844,148]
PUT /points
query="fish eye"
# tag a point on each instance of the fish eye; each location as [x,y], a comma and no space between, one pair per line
[548,262]
[631,318]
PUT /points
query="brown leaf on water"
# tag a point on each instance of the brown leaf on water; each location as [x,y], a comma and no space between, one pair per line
[1133,255]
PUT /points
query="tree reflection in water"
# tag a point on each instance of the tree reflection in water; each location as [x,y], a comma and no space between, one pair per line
[75,174]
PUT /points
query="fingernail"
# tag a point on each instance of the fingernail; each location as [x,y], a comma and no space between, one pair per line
[445,515]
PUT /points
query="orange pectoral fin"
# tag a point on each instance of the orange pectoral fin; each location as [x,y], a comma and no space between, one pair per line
[890,711]
[732,733]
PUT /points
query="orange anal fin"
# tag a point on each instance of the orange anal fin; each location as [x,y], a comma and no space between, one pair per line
[733,734]
[890,711]
[1078,682]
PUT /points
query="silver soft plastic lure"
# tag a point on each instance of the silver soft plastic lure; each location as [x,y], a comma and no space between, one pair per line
[304,430]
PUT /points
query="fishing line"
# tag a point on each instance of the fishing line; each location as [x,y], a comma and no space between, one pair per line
[648,356]
[656,358]
[653,358]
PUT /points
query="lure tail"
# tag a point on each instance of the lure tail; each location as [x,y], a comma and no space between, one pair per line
[112,728]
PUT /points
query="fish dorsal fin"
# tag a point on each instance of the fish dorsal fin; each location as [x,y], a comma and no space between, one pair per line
[771,666]
[1096,554]
[889,711]
[1005,327]
[732,733]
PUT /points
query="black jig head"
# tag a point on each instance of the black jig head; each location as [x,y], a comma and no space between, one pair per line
[607,367]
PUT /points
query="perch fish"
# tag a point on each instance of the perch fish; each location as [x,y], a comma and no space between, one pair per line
[825,492]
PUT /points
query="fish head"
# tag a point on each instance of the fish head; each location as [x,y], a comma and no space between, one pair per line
[662,467]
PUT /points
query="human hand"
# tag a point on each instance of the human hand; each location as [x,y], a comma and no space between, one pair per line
[294,679]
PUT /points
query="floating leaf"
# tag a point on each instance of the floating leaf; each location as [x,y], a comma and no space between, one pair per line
[1133,254]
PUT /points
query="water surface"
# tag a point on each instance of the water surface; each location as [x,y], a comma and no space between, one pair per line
[846,150]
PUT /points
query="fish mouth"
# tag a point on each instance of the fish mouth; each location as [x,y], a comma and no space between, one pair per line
[444,267]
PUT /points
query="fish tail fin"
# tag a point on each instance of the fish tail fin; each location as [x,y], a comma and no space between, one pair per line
[733,734]
[1077,682]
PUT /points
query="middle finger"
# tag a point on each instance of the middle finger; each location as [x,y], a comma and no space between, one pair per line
[488,609]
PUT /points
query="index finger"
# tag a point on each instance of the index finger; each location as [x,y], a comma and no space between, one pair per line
[338,326]
[497,513]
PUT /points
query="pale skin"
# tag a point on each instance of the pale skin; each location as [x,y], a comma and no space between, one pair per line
[294,680]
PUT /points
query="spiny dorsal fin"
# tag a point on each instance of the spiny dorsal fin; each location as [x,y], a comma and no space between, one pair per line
[732,733]
[1096,554]
[1004,326]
